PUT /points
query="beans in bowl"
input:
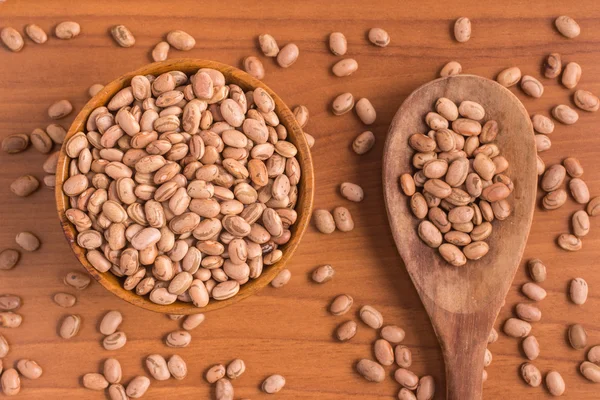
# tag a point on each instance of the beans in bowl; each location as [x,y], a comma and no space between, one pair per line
[184,186]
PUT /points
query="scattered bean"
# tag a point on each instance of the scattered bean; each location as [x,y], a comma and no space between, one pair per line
[273,384]
[235,368]
[531,374]
[112,370]
[268,45]
[65,300]
[70,326]
[565,114]
[590,371]
[392,333]
[515,327]
[462,29]
[324,221]
[12,39]
[177,367]
[370,370]
[571,75]
[528,312]
[379,37]
[181,40]
[371,317]
[15,143]
[450,69]
[577,336]
[157,366]
[555,383]
[95,381]
[215,373]
[567,26]
[9,258]
[569,242]
[531,86]
[161,51]
[363,142]
[533,291]
[587,101]
[341,304]
[509,77]
[122,36]
[346,331]
[288,55]
[110,323]
[531,347]
[24,185]
[323,274]
[28,241]
[403,356]
[552,66]
[537,270]
[67,30]
[137,387]
[193,321]
[282,278]
[406,378]
[60,109]
[10,382]
[338,44]
[115,341]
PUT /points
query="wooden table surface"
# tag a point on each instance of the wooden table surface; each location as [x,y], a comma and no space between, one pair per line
[288,330]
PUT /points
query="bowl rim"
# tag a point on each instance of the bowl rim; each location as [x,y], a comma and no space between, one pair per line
[304,204]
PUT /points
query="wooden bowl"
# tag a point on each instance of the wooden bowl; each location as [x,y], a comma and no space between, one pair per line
[303,206]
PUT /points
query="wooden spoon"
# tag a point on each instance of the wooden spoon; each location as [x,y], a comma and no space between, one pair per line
[463,302]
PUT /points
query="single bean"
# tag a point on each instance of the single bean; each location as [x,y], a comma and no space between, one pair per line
[578,291]
[346,331]
[450,69]
[341,304]
[567,26]
[379,37]
[555,383]
[462,29]
[338,43]
[509,77]
[371,317]
[273,384]
[515,327]
[531,374]
[67,30]
[531,347]
[552,66]
[370,370]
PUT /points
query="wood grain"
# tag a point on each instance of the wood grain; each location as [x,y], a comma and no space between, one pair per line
[289,330]
[463,302]
[303,206]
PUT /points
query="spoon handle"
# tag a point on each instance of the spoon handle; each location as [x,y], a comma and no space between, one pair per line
[464,373]
[463,338]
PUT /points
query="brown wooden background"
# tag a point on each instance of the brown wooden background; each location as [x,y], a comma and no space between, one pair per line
[289,331]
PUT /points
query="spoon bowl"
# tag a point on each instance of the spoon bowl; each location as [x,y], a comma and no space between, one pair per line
[463,302]
[305,187]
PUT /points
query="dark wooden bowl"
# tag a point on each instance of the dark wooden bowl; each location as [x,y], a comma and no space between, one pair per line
[303,206]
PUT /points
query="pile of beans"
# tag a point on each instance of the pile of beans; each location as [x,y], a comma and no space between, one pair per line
[183,185]
[459,187]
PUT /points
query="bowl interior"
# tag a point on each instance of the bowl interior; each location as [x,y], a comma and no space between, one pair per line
[303,205]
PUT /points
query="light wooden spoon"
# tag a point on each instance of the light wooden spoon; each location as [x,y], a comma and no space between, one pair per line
[463,302]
